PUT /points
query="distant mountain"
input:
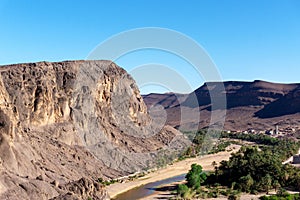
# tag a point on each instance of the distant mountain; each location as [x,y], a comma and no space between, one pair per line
[166,100]
[249,105]
[286,105]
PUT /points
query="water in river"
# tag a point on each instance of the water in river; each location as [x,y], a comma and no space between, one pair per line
[148,189]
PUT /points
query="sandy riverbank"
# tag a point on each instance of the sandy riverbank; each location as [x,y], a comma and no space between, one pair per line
[176,169]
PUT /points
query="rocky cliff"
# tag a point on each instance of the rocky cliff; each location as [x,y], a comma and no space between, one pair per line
[64,125]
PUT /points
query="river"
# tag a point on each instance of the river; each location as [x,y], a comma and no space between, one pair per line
[148,189]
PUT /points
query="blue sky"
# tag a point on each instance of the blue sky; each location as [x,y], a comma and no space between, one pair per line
[247,40]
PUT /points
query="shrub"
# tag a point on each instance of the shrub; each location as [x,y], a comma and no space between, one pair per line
[195,176]
[182,189]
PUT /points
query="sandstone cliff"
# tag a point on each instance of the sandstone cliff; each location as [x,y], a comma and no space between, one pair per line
[64,125]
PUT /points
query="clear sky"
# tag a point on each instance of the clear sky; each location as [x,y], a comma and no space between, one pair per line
[247,40]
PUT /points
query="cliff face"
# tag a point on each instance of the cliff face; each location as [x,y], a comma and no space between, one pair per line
[255,105]
[63,121]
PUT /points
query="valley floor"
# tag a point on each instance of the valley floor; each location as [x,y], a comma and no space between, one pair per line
[176,169]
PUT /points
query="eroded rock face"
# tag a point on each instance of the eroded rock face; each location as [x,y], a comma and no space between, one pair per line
[83,189]
[63,121]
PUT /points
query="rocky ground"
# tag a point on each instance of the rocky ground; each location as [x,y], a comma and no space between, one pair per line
[64,125]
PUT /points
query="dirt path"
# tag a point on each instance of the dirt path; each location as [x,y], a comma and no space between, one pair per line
[176,169]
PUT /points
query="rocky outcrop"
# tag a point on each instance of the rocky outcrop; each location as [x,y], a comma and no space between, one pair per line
[82,189]
[61,122]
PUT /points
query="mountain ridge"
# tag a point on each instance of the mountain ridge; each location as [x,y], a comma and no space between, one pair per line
[264,103]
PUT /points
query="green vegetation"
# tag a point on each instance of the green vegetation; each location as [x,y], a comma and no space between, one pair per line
[195,177]
[109,182]
[221,146]
[254,168]
[195,186]
[283,196]
[184,191]
[203,143]
[284,148]
[251,170]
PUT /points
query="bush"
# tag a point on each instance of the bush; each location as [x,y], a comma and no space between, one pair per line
[195,176]
[246,182]
[286,196]
[182,189]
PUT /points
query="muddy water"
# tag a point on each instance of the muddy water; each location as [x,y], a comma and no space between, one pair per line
[148,189]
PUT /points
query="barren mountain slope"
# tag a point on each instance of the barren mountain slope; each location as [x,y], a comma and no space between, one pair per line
[256,105]
[63,125]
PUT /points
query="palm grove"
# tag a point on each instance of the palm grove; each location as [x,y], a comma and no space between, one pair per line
[252,169]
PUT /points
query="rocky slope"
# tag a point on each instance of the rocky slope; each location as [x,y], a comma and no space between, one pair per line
[64,125]
[256,105]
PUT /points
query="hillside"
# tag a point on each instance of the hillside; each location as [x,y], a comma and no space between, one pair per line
[64,125]
[258,105]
